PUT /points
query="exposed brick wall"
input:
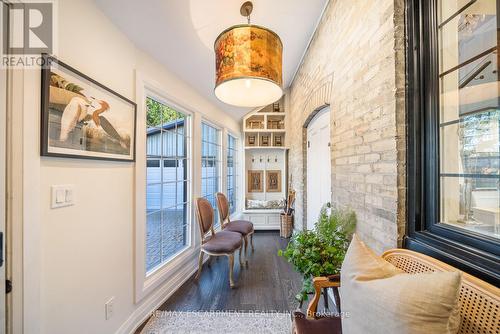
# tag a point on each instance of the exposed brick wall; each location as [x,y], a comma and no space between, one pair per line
[358,53]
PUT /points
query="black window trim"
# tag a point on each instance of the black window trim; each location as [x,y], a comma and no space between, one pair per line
[468,251]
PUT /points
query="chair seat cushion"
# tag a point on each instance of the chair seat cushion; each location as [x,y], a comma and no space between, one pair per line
[241,226]
[327,325]
[222,242]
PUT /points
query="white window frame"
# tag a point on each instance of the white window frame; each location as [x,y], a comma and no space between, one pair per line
[222,161]
[237,175]
[145,283]
[187,177]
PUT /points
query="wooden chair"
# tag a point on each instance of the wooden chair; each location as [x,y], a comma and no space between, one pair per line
[244,227]
[479,301]
[223,243]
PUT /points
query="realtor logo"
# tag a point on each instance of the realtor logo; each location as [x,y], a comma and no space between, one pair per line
[28,28]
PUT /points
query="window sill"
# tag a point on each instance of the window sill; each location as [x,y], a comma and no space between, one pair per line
[162,273]
[473,261]
[167,263]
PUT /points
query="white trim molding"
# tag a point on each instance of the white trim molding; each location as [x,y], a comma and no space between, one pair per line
[158,297]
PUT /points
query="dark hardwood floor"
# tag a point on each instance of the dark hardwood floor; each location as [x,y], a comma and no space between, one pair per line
[268,284]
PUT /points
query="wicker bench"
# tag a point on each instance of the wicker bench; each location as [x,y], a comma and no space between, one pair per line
[479,301]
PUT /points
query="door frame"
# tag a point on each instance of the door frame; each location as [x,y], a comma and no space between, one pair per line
[4,86]
[308,121]
[3,196]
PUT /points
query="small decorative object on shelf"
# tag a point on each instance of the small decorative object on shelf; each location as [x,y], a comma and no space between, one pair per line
[277,141]
[255,181]
[251,140]
[273,124]
[255,124]
[276,107]
[264,140]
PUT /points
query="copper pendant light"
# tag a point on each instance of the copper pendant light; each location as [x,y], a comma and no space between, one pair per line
[248,64]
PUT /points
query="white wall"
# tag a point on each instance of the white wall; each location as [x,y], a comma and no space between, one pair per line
[76,258]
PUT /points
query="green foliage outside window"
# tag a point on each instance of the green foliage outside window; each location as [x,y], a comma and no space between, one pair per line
[159,113]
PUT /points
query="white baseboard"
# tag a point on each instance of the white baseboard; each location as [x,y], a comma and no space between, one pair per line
[158,297]
[266,228]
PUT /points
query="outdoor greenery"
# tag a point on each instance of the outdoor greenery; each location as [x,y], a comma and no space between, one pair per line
[159,114]
[320,252]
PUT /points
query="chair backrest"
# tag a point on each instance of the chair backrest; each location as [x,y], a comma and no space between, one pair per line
[479,301]
[205,216]
[223,205]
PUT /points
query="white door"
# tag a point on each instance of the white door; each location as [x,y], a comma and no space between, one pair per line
[319,165]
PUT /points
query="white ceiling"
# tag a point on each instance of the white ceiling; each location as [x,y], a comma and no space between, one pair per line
[180,33]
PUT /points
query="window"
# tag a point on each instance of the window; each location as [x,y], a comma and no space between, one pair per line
[210,165]
[232,170]
[469,116]
[454,132]
[167,183]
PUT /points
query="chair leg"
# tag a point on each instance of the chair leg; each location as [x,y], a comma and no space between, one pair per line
[231,266]
[337,298]
[241,261]
[245,241]
[325,297]
[200,265]
[251,241]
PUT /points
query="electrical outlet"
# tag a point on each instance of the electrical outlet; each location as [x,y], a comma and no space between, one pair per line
[109,308]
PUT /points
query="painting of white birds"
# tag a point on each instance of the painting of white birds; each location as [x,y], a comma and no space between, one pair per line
[84,119]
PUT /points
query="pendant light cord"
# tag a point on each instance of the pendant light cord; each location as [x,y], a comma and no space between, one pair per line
[246,10]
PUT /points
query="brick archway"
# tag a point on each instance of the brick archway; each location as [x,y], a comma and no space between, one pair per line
[319,99]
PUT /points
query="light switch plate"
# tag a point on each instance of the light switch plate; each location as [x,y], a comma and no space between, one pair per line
[109,308]
[62,195]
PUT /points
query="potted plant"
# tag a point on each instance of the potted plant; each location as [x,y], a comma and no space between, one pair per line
[320,252]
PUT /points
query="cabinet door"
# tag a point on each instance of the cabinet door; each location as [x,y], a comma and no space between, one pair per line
[273,220]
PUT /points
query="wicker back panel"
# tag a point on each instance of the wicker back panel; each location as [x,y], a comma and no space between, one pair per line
[479,301]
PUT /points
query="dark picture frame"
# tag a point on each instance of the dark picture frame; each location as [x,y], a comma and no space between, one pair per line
[81,118]
[273,181]
[255,179]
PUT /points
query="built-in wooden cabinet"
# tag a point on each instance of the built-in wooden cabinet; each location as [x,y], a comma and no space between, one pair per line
[265,158]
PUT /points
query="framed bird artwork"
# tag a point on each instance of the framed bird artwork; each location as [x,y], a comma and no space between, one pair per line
[82,118]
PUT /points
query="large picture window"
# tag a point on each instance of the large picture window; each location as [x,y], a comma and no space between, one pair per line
[469,116]
[167,186]
[210,165]
[454,133]
[232,171]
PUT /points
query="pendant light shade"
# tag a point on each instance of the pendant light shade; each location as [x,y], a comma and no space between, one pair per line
[248,63]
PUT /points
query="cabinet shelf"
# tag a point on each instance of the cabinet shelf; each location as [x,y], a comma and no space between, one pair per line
[265,130]
[271,113]
[265,148]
